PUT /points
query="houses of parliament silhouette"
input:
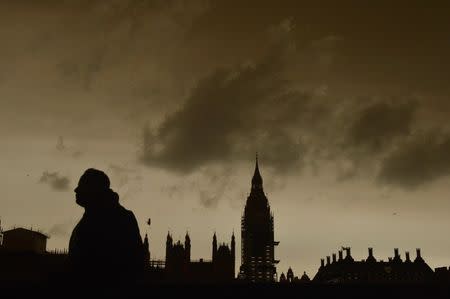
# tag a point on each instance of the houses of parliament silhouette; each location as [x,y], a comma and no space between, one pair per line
[24,257]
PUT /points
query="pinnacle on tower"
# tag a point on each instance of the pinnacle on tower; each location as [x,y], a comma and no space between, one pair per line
[257,180]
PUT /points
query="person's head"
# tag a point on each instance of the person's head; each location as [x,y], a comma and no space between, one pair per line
[93,188]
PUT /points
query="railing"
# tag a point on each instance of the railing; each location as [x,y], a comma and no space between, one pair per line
[157,264]
[58,251]
[201,261]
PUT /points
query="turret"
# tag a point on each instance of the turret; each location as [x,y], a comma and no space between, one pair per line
[340,255]
[187,247]
[334,258]
[169,245]
[146,250]
[290,275]
[233,252]
[214,247]
[1,233]
[233,246]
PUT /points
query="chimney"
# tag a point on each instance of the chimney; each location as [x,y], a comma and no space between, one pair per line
[396,252]
[348,251]
[370,251]
[418,253]
[334,257]
[328,260]
[340,255]
[407,256]
[322,263]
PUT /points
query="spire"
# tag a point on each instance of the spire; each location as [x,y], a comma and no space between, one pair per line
[214,249]
[257,181]
[146,249]
[1,233]
[233,244]
[169,238]
[187,241]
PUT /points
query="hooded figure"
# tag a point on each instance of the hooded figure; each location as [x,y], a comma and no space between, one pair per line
[106,244]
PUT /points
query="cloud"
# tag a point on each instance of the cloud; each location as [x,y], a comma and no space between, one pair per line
[421,159]
[60,146]
[122,62]
[379,123]
[234,112]
[56,181]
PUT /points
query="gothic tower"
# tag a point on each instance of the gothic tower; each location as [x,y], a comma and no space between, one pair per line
[146,250]
[187,247]
[233,252]
[214,246]
[1,233]
[257,234]
[169,244]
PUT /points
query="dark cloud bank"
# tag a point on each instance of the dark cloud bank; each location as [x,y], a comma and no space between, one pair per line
[261,106]
[420,160]
[140,58]
[233,113]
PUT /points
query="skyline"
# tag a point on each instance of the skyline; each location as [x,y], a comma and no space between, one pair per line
[256,176]
[346,104]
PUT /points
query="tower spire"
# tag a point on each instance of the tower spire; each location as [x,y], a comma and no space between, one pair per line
[257,181]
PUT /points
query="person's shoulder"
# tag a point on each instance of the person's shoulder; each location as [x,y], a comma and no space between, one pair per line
[127,213]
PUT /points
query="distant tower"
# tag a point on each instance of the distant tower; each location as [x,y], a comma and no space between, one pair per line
[214,247]
[169,245]
[233,252]
[187,247]
[257,230]
[290,275]
[1,233]
[146,250]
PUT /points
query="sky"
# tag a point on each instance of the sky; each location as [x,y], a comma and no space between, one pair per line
[346,104]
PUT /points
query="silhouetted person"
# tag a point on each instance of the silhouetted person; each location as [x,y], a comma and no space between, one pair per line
[105,245]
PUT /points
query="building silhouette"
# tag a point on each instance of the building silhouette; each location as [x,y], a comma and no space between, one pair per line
[24,240]
[257,235]
[291,278]
[24,257]
[394,270]
[1,233]
[180,267]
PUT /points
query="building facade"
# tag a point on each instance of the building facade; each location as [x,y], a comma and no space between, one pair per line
[257,235]
[24,240]
[180,267]
[341,269]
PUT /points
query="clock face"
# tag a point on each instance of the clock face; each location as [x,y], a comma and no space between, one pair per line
[387,269]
